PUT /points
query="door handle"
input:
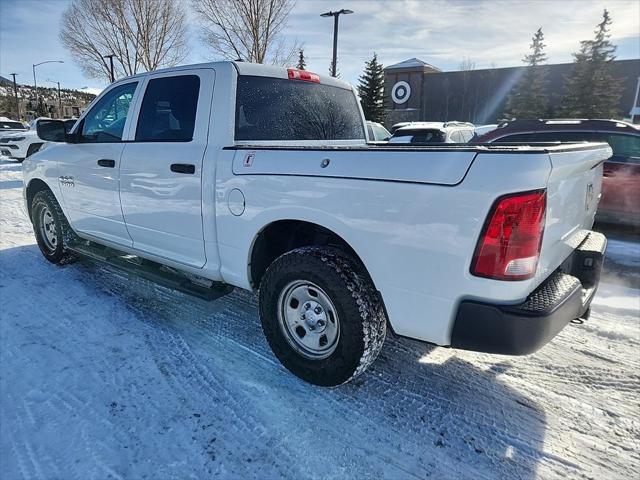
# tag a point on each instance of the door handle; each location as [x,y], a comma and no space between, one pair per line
[183,168]
[105,162]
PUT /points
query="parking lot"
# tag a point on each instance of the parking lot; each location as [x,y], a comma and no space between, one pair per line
[108,377]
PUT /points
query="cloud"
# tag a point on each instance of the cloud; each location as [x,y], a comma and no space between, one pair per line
[28,35]
[443,33]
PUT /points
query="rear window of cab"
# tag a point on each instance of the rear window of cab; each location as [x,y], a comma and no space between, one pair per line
[283,109]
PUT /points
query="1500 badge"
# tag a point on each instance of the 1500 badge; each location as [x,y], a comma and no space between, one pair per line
[66,181]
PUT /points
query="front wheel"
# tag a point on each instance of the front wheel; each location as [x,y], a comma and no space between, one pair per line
[321,315]
[51,228]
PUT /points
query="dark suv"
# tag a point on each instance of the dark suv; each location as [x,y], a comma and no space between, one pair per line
[620,201]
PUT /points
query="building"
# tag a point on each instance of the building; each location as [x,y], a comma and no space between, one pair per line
[417,91]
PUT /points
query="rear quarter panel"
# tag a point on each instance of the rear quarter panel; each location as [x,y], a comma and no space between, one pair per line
[416,240]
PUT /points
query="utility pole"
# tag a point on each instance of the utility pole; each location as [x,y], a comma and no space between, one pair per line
[59,101]
[335,15]
[110,57]
[15,93]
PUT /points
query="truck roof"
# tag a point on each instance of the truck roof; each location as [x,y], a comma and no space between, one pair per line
[247,68]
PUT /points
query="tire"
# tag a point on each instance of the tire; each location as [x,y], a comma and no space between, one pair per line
[33,148]
[350,301]
[51,228]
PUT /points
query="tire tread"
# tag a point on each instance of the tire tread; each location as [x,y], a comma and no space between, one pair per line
[356,281]
[69,237]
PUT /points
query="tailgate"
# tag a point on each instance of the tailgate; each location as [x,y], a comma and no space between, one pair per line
[573,193]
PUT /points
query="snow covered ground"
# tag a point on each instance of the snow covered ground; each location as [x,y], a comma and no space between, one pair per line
[103,377]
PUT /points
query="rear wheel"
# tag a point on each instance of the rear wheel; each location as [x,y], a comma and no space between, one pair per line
[321,315]
[51,228]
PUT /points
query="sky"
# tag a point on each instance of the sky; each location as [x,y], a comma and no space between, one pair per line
[444,33]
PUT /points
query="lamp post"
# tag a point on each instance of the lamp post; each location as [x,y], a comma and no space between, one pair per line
[335,15]
[110,57]
[15,93]
[59,97]
[35,84]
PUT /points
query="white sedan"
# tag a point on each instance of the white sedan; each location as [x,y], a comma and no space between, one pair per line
[18,145]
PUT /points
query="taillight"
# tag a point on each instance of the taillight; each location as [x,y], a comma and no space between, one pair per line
[509,246]
[295,74]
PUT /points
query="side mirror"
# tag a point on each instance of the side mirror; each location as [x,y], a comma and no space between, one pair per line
[51,130]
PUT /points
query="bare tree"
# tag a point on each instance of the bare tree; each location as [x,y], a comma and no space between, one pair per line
[466,65]
[142,34]
[249,30]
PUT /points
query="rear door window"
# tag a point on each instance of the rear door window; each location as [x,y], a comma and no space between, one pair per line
[282,109]
[168,112]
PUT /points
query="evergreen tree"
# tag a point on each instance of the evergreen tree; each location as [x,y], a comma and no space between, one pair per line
[528,99]
[302,62]
[591,91]
[371,90]
[42,110]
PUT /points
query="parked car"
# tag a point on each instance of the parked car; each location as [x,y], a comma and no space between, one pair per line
[396,126]
[9,126]
[264,180]
[18,145]
[482,129]
[376,132]
[433,132]
[620,201]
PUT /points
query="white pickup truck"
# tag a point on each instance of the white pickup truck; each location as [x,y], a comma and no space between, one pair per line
[209,177]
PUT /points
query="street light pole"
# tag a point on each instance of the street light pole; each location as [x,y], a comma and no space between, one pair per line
[35,84]
[110,57]
[335,15]
[15,93]
[59,98]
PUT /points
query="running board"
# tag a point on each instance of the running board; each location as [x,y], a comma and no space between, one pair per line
[155,272]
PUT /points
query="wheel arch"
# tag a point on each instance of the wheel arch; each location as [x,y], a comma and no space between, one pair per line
[34,186]
[284,235]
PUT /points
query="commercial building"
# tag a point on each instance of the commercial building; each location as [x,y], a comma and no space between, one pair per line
[418,91]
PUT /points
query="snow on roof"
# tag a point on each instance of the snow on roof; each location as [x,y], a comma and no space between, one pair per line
[412,63]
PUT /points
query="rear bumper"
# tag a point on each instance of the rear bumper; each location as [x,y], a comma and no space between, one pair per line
[524,328]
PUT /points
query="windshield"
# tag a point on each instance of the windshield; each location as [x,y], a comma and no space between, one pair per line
[11,126]
[281,109]
[418,136]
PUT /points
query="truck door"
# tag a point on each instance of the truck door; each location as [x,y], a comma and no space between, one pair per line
[161,168]
[89,169]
